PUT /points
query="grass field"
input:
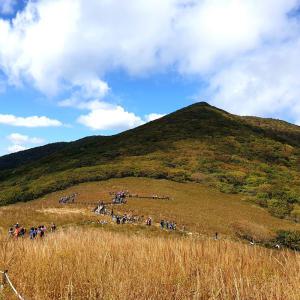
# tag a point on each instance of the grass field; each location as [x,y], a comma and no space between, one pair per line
[93,264]
[198,208]
[86,260]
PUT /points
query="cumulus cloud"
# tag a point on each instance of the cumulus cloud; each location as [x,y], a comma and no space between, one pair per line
[261,83]
[153,116]
[22,142]
[33,121]
[73,44]
[104,116]
[19,139]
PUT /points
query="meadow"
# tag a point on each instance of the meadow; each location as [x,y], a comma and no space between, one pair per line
[95,264]
[86,260]
[200,209]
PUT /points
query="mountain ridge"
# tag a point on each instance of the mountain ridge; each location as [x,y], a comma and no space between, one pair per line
[52,147]
[253,156]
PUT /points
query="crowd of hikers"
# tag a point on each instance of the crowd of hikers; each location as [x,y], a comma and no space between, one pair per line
[167,225]
[120,197]
[68,199]
[123,219]
[17,231]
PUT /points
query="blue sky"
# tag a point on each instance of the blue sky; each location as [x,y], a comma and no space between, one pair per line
[73,68]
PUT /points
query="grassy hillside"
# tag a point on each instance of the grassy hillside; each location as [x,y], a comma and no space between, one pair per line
[259,158]
[85,259]
[199,209]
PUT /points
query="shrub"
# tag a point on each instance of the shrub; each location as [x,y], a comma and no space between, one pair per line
[290,239]
[295,214]
[279,208]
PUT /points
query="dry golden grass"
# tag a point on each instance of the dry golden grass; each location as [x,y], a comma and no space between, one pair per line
[94,264]
[197,207]
[138,262]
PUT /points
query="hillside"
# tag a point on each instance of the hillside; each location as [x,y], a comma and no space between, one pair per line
[92,257]
[200,209]
[259,158]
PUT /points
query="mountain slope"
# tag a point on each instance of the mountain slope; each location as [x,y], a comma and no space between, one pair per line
[12,161]
[254,156]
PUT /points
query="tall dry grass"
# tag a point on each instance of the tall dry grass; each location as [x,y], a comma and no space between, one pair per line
[93,264]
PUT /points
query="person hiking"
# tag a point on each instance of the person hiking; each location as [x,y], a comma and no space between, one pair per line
[22,232]
[32,233]
[11,232]
[17,232]
[53,227]
[149,221]
[162,224]
[44,228]
[41,232]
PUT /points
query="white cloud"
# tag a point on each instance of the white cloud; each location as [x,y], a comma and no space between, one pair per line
[76,40]
[153,116]
[22,142]
[103,116]
[234,45]
[7,6]
[16,148]
[91,88]
[20,139]
[106,116]
[33,121]
[261,83]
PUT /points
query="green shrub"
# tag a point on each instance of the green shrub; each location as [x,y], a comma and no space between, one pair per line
[290,239]
[279,208]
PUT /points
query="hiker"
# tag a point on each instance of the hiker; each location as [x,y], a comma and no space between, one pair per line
[118,220]
[41,231]
[32,233]
[53,227]
[11,232]
[17,231]
[162,224]
[22,232]
[216,236]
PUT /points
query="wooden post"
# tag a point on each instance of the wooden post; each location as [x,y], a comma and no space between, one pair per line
[4,281]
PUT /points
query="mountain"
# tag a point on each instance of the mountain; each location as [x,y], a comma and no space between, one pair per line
[253,156]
